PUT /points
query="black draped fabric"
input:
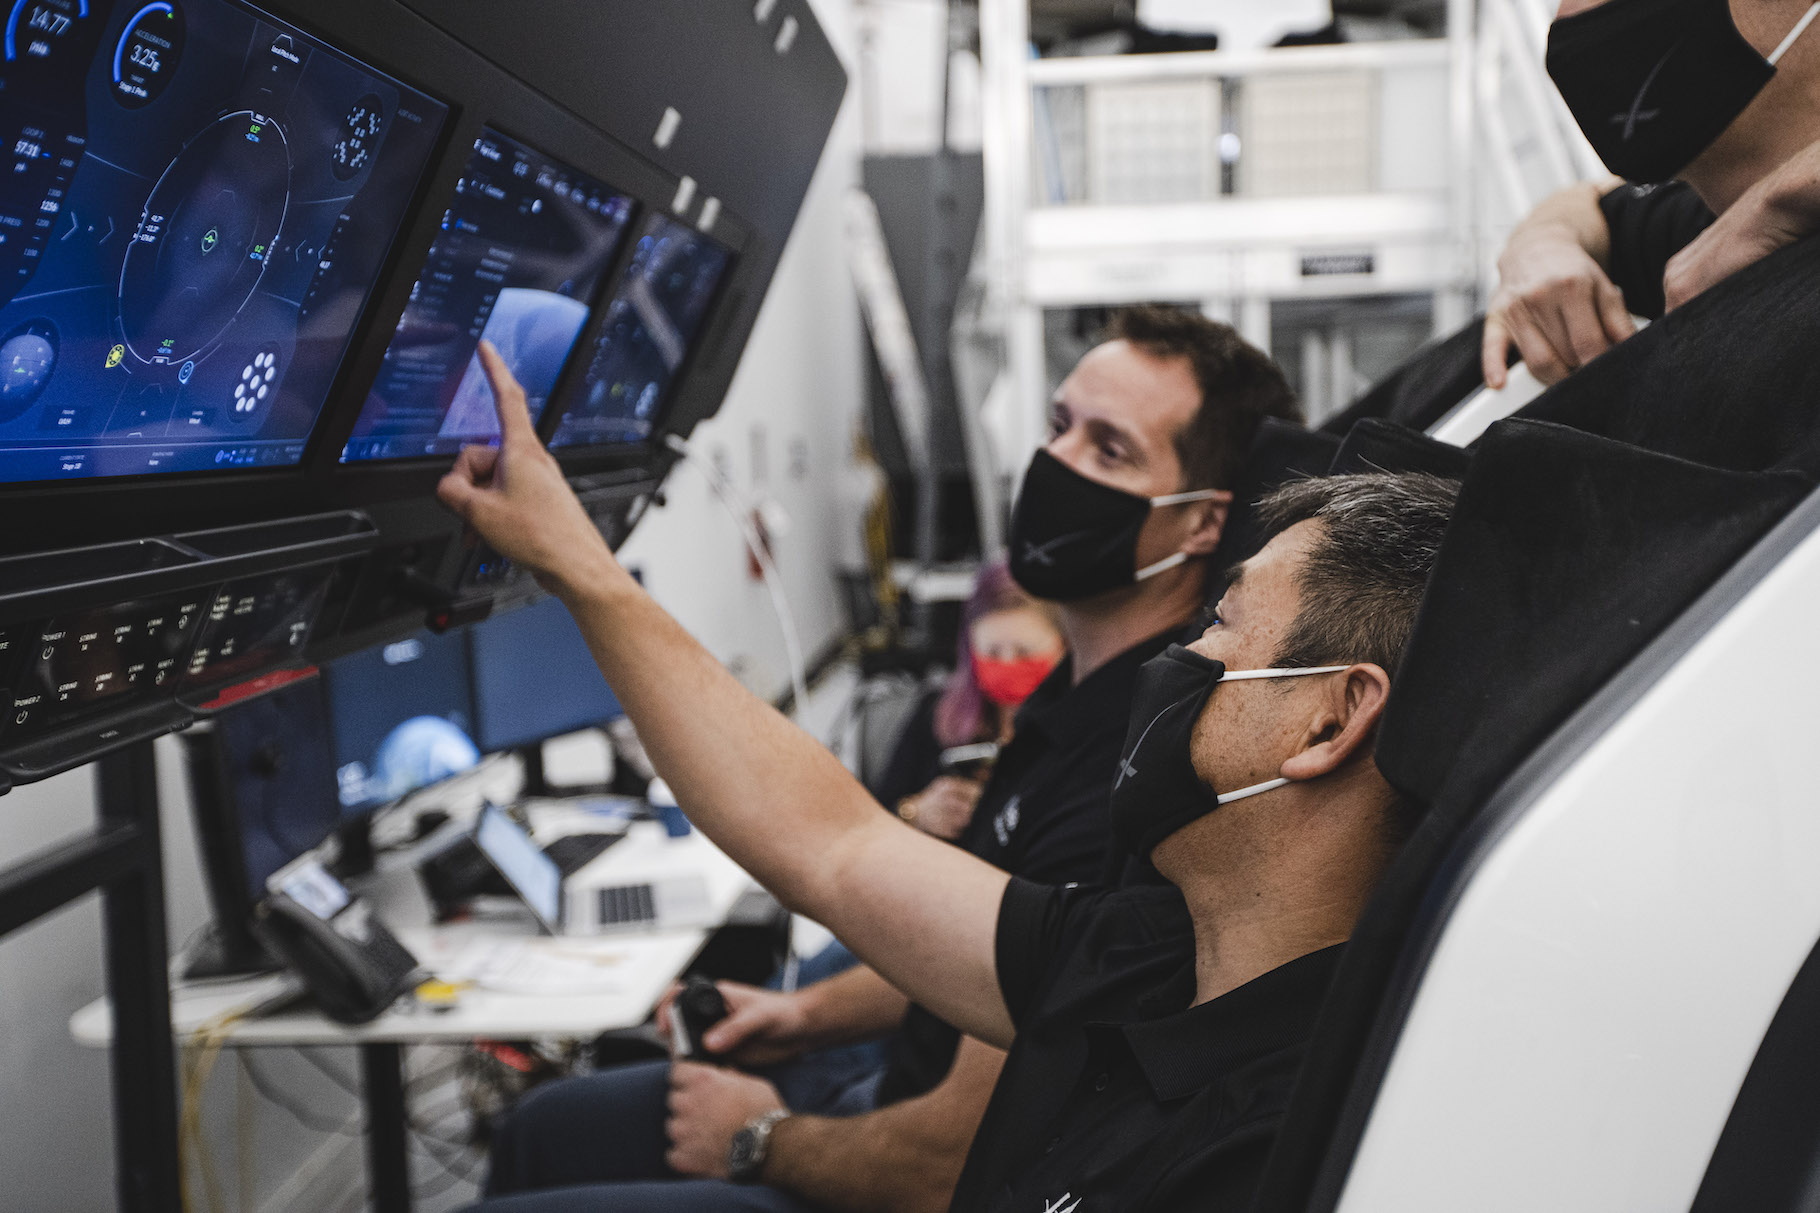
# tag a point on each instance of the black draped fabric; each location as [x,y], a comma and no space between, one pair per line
[1425,388]
[1382,446]
[1585,525]
[1281,452]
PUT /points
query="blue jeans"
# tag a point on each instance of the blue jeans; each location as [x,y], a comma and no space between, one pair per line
[596,1142]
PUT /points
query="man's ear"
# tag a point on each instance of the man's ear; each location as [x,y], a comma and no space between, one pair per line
[1343,724]
[1210,526]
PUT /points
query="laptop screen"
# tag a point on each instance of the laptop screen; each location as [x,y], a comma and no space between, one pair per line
[532,874]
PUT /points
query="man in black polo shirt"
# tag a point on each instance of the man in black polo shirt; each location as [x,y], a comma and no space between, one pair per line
[1710,111]
[1154,1031]
[1131,491]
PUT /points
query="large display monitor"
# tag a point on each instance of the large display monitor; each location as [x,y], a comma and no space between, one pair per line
[525,244]
[196,199]
[402,718]
[534,678]
[646,335]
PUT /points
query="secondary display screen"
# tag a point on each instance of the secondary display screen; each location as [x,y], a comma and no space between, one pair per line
[646,335]
[195,201]
[402,718]
[524,246]
[534,678]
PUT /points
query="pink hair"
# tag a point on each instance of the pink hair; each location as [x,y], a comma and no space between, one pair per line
[961,713]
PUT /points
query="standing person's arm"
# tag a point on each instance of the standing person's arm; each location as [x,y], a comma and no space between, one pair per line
[1777,211]
[919,911]
[1555,301]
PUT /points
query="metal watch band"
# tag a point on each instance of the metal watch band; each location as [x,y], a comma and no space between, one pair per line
[751,1145]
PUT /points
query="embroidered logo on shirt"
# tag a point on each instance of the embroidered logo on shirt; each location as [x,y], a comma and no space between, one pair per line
[1058,1206]
[1005,824]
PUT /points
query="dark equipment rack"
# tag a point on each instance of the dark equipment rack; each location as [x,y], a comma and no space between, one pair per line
[122,858]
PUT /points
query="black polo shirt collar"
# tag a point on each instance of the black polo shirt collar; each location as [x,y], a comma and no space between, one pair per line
[1068,715]
[1185,1052]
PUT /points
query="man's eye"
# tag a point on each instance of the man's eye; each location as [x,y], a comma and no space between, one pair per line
[1209,617]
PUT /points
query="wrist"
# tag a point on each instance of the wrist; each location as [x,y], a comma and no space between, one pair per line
[810,1007]
[752,1147]
[594,578]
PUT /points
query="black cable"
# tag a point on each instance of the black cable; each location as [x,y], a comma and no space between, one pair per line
[301,1115]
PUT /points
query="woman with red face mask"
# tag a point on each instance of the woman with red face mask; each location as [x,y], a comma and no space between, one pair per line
[1008,643]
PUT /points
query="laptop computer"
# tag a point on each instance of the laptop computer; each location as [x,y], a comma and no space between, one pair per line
[533,875]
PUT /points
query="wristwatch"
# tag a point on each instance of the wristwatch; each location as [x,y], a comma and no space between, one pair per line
[746,1156]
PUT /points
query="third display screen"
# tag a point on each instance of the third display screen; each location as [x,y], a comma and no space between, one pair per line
[524,246]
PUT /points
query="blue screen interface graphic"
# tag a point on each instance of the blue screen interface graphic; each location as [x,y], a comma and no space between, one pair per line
[195,201]
[646,335]
[524,246]
[402,719]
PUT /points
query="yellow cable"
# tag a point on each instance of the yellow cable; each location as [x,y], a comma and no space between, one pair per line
[202,1049]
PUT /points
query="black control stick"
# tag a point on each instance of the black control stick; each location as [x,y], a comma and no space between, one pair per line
[697,1008]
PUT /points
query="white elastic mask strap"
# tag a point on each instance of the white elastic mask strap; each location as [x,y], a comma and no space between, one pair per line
[1169,562]
[1161,566]
[1807,19]
[1210,494]
[1269,785]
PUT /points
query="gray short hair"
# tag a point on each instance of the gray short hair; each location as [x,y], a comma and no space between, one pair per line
[1365,574]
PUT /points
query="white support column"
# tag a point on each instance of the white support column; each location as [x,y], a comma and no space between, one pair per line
[1254,321]
[1006,141]
[1315,379]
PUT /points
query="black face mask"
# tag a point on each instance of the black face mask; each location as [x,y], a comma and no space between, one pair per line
[1156,791]
[1653,82]
[1072,537]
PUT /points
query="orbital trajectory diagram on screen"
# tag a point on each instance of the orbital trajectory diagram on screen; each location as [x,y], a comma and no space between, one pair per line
[525,244]
[195,200]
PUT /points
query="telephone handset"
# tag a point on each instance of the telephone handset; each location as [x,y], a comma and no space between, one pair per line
[353,966]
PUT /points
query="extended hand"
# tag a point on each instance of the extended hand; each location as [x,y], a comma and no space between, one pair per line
[1777,211]
[514,496]
[708,1105]
[1554,303]
[944,807]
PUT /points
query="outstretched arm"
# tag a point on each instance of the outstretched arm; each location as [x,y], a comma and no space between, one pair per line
[923,913]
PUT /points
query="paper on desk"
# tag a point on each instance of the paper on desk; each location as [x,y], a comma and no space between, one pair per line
[536,966]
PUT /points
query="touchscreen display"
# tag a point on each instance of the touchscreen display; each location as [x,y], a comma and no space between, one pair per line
[533,875]
[645,336]
[195,200]
[524,246]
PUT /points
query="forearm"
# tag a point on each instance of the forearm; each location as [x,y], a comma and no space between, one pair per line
[855,1005]
[921,912]
[904,1159]
[1572,213]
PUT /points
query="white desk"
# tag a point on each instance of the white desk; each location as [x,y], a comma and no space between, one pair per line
[628,973]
